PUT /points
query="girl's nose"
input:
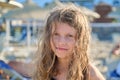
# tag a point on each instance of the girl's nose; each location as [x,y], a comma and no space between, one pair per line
[62,40]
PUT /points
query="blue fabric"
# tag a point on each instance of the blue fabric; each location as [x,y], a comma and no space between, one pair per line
[114,74]
[3,65]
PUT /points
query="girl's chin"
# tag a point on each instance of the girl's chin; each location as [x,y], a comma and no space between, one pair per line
[61,57]
[64,55]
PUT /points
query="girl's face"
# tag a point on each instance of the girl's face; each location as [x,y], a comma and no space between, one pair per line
[63,40]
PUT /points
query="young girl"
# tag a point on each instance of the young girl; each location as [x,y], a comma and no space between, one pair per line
[63,48]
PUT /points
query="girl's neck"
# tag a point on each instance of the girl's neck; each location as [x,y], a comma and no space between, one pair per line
[63,64]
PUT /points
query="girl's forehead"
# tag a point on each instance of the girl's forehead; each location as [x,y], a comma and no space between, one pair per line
[56,24]
[63,27]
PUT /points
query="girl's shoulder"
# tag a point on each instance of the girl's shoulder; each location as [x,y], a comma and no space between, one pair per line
[95,73]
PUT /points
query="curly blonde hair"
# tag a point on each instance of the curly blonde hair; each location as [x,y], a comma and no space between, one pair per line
[46,60]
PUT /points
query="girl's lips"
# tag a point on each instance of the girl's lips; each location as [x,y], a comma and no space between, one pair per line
[61,48]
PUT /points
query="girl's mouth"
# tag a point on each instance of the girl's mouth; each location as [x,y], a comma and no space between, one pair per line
[60,48]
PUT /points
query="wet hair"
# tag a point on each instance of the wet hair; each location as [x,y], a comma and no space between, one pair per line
[46,59]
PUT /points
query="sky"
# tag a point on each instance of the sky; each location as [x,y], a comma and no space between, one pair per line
[39,2]
[106,1]
[42,2]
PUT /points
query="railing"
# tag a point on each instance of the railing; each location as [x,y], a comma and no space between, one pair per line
[96,27]
[105,25]
[106,31]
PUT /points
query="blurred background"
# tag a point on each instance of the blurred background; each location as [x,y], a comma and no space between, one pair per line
[22,22]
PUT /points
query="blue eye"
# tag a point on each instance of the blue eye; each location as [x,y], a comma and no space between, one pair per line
[55,34]
[70,35]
